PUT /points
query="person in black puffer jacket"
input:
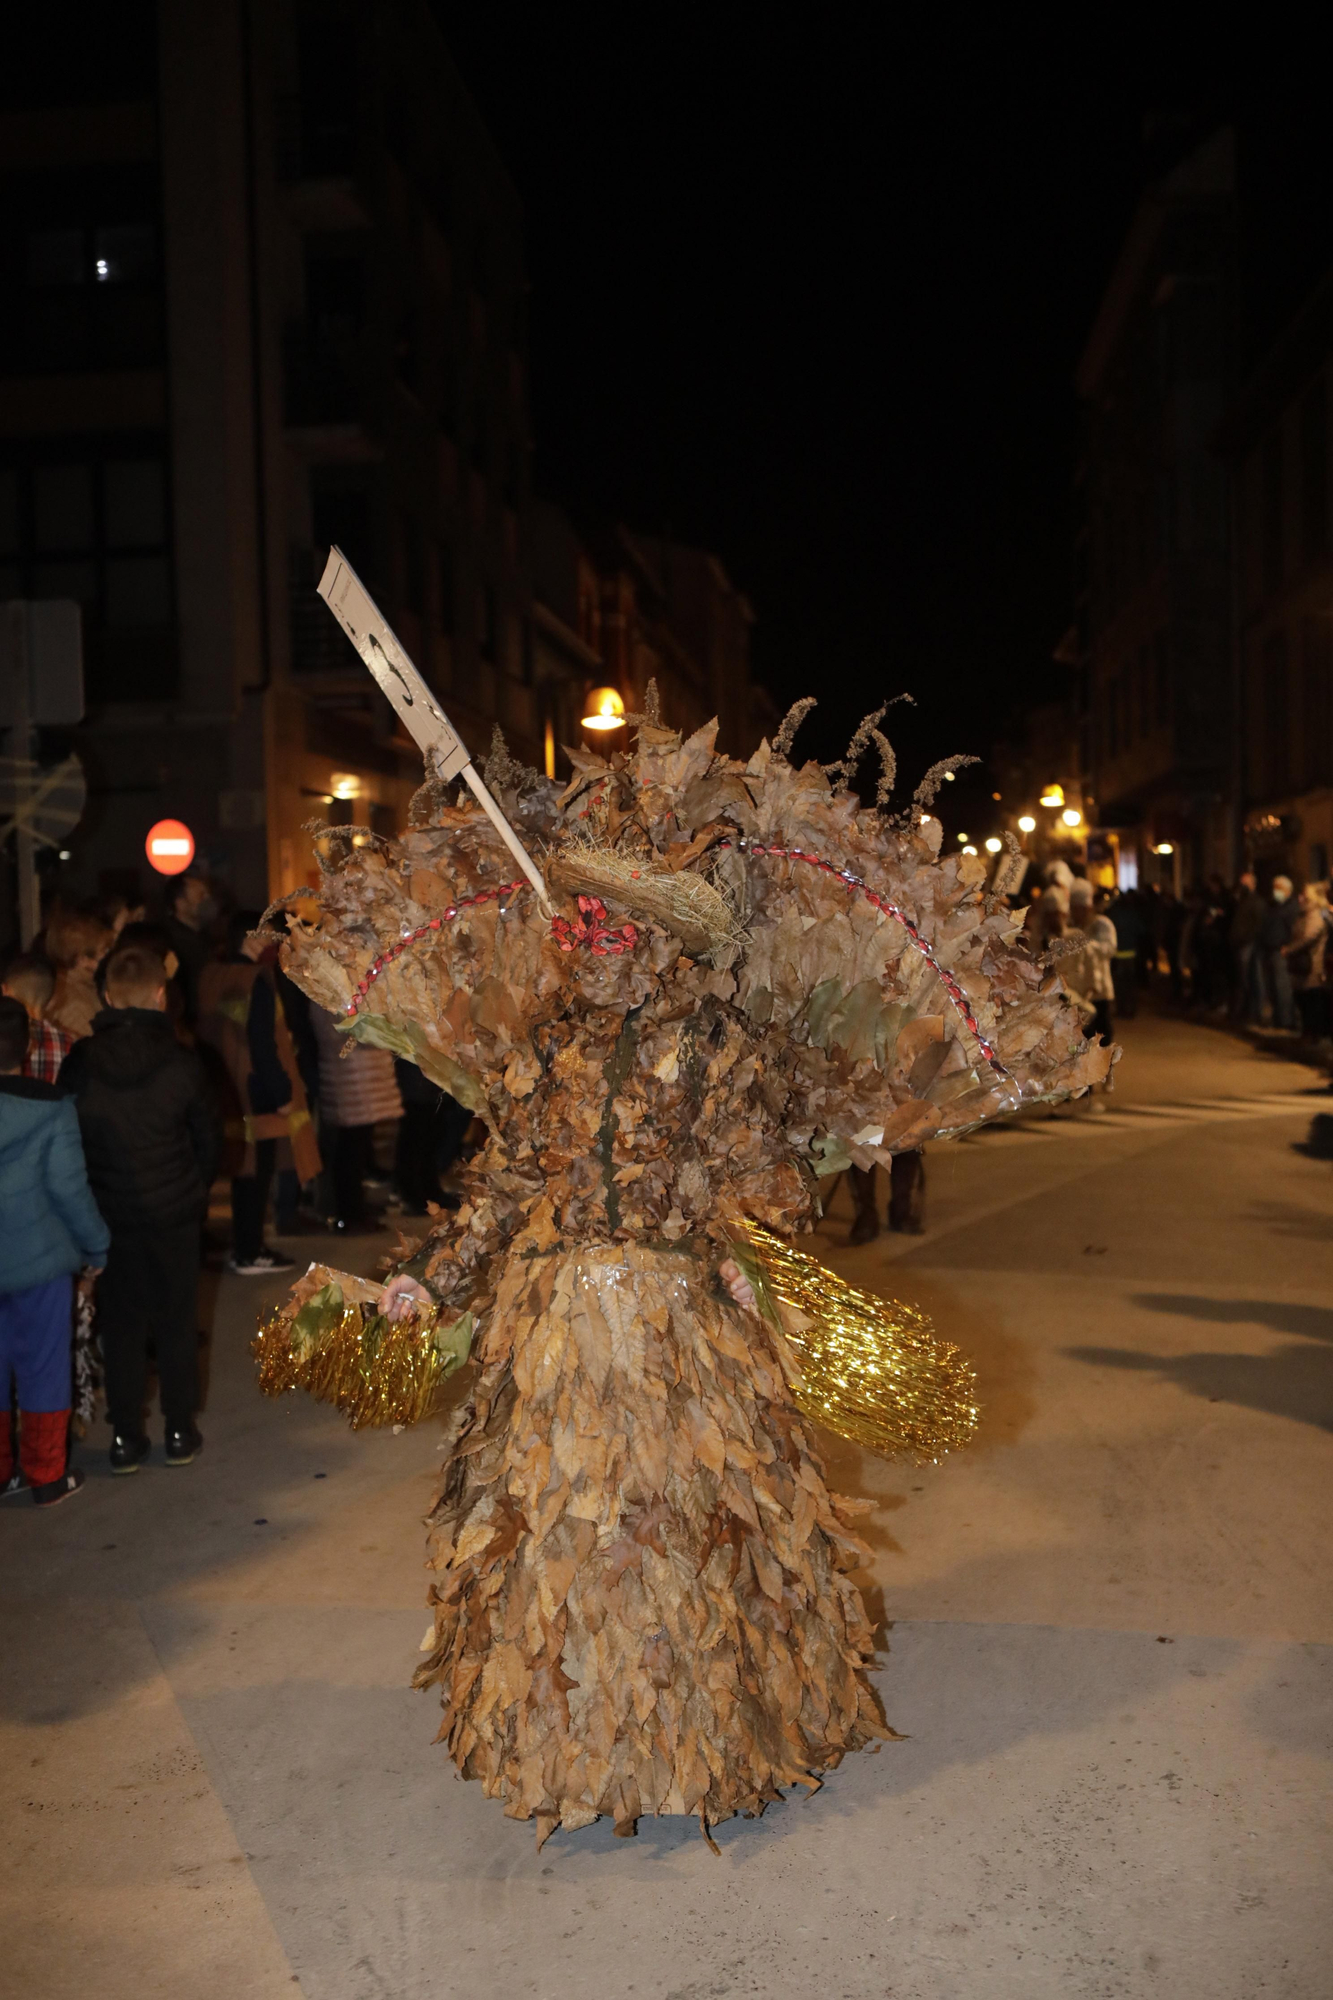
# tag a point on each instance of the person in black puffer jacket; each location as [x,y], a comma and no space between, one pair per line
[151,1142]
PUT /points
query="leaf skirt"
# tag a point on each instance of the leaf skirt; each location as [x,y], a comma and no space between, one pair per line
[641,1582]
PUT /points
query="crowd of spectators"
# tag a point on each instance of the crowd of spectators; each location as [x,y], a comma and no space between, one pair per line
[140,1059]
[1257,957]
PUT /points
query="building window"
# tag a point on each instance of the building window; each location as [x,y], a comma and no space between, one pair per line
[82,257]
[1317,698]
[341,516]
[1271,521]
[486,621]
[1146,706]
[10,574]
[1314,472]
[1166,512]
[407,351]
[1162,679]
[414,566]
[330,82]
[322,353]
[444,564]
[95,528]
[1276,717]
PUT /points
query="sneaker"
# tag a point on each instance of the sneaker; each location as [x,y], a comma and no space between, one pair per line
[16,1483]
[183,1446]
[128,1453]
[57,1490]
[261,1266]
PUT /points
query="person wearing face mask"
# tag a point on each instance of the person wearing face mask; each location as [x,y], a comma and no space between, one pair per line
[1275,934]
[1305,956]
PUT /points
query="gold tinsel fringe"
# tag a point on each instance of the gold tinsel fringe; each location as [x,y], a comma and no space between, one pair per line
[871,1369]
[375,1370]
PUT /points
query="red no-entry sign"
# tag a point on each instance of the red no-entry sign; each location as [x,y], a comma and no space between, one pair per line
[169,847]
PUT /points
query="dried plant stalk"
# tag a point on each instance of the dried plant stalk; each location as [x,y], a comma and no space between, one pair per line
[791,722]
[686,904]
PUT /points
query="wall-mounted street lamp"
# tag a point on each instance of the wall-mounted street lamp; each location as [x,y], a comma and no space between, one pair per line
[605,710]
[1071,816]
[1027,824]
[993,845]
[1054,795]
[1164,847]
[344,785]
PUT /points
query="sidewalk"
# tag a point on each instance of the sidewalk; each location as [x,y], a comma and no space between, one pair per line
[1108,1640]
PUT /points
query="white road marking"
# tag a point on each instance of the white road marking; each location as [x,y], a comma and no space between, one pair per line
[1142,1118]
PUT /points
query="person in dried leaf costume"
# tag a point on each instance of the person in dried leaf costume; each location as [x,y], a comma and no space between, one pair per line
[641,1585]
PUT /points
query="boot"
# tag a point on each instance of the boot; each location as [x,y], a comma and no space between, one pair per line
[907,1193]
[866,1226]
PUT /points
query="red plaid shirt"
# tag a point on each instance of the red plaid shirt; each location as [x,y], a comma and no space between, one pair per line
[48,1046]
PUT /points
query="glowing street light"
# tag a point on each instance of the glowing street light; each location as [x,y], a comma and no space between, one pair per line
[962,836]
[949,777]
[969,850]
[1027,824]
[345,785]
[606,710]
[1071,816]
[1054,795]
[993,845]
[1164,847]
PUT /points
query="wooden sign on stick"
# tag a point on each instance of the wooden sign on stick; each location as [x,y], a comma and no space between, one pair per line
[446,754]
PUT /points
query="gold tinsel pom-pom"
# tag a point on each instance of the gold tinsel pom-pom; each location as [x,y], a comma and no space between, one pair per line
[377,1371]
[871,1369]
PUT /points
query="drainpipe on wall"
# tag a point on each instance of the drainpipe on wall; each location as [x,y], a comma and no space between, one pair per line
[1236,774]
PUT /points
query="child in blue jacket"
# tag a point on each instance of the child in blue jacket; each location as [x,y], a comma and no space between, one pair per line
[50,1228]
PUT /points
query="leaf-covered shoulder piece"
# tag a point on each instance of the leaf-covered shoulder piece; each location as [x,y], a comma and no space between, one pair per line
[751,980]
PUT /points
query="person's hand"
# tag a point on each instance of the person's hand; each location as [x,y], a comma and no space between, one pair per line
[736,1282]
[402,1296]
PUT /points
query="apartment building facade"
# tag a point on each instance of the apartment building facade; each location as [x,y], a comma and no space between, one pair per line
[1152,591]
[1278,443]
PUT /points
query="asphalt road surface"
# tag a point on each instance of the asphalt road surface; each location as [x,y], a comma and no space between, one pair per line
[1107,1640]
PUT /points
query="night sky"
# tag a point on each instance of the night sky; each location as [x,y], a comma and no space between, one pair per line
[811,293]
